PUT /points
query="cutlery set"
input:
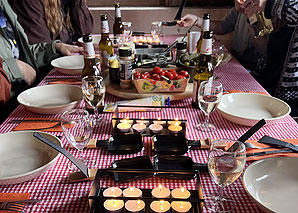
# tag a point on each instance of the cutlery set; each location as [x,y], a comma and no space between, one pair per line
[16,206]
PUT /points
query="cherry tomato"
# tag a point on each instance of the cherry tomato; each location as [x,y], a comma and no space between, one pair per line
[144,76]
[162,73]
[137,75]
[156,70]
[179,77]
[169,75]
[184,73]
[155,77]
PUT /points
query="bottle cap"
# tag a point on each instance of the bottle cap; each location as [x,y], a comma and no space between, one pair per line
[181,45]
[87,38]
[124,51]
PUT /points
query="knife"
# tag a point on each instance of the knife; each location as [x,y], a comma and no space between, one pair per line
[247,135]
[79,164]
[272,141]
[268,152]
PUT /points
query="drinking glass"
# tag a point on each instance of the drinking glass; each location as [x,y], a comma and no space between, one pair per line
[127,31]
[157,31]
[77,129]
[209,96]
[217,54]
[224,167]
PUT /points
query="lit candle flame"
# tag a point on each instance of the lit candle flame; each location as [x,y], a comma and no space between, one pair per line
[160,188]
[131,190]
[182,189]
[142,118]
[176,123]
[159,118]
[181,204]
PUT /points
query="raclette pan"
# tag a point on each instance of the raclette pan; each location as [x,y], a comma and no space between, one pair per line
[123,144]
[164,166]
[172,144]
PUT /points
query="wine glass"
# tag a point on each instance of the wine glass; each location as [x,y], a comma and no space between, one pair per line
[224,167]
[209,96]
[127,31]
[77,129]
[94,89]
[217,54]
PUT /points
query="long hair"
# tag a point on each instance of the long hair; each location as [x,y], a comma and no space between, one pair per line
[53,16]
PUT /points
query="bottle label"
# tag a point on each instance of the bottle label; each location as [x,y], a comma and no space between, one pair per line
[206,47]
[126,71]
[206,25]
[89,48]
[118,13]
[105,27]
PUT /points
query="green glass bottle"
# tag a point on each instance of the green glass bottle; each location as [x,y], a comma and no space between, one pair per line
[205,27]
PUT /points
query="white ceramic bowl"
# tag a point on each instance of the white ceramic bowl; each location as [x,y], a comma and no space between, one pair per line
[69,65]
[273,184]
[248,108]
[95,39]
[51,99]
[23,157]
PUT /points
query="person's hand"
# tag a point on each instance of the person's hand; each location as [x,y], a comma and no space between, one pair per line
[67,49]
[252,6]
[27,71]
[189,19]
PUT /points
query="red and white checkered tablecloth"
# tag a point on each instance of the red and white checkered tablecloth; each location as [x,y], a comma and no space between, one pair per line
[58,195]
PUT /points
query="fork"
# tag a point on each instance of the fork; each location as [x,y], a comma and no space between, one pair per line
[252,146]
[16,206]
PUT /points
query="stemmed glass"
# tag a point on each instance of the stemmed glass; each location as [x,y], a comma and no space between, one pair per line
[156,31]
[224,167]
[209,96]
[94,89]
[77,129]
[217,54]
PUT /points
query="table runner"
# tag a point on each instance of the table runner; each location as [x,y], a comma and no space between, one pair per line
[58,195]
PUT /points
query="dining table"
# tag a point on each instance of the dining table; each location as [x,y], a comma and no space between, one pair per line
[57,194]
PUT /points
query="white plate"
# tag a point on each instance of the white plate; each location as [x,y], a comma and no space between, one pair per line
[51,99]
[69,65]
[248,108]
[95,39]
[273,184]
[23,157]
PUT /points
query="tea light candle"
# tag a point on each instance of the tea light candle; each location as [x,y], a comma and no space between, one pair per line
[134,205]
[132,192]
[146,122]
[155,128]
[124,126]
[159,122]
[180,193]
[126,121]
[139,127]
[161,192]
[175,128]
[181,206]
[174,122]
[113,206]
[160,206]
[112,192]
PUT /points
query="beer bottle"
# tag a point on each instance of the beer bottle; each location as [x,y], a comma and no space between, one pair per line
[204,68]
[89,57]
[105,44]
[118,28]
[260,25]
[205,27]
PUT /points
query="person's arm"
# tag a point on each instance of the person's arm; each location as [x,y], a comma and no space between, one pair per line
[81,18]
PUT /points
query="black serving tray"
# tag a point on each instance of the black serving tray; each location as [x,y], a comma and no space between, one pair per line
[96,198]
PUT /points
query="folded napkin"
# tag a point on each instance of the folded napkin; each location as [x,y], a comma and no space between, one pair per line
[256,143]
[66,81]
[39,125]
[239,91]
[10,197]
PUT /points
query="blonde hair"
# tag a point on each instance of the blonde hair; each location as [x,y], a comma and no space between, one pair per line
[53,16]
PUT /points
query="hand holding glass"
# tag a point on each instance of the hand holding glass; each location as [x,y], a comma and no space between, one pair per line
[209,96]
[224,167]
[77,129]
